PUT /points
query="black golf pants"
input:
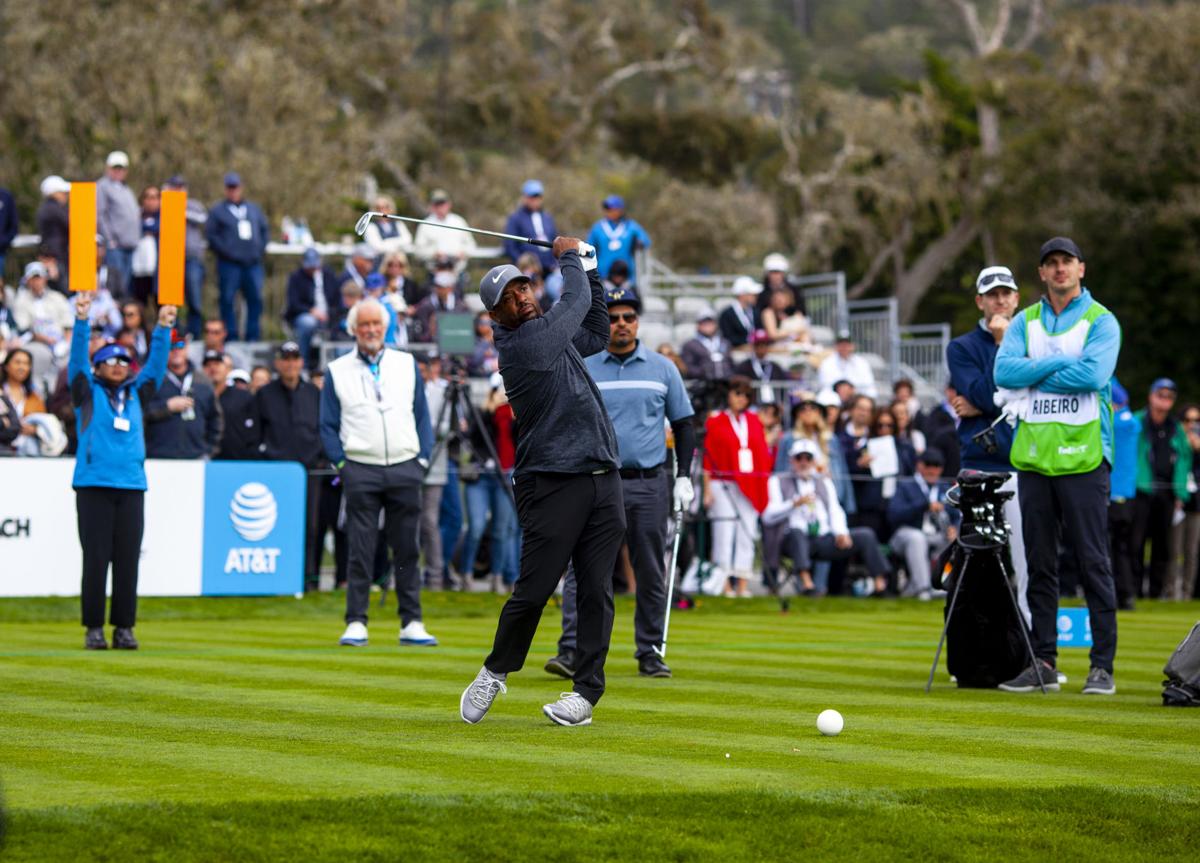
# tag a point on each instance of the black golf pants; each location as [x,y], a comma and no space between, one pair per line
[578,518]
[1076,504]
[111,521]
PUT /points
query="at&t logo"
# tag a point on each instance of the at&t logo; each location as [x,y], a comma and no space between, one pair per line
[253,512]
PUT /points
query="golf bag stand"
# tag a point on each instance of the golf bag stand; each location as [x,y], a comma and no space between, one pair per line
[983,649]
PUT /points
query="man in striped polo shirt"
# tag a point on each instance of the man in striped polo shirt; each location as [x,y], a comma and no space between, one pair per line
[642,390]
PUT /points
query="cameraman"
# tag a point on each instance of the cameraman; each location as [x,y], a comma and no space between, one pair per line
[1061,352]
[971,358]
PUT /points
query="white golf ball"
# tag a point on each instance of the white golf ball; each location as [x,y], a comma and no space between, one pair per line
[726,754]
[830,723]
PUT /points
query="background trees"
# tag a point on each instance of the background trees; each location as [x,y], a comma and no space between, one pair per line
[908,142]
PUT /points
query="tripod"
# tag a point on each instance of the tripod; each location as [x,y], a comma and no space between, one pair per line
[988,535]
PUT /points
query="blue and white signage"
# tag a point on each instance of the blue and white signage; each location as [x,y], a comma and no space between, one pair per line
[254,517]
[1074,628]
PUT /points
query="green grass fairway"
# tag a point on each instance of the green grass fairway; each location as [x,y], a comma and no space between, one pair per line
[241,731]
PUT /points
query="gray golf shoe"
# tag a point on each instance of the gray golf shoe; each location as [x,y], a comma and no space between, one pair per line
[570,709]
[478,697]
[1099,682]
[1028,680]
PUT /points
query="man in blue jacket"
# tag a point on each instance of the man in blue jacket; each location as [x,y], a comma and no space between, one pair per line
[1126,431]
[110,477]
[8,226]
[183,419]
[1058,357]
[921,524]
[238,232]
[530,220]
[971,358]
[313,301]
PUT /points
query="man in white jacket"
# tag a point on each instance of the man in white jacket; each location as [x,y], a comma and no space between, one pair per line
[376,430]
[817,525]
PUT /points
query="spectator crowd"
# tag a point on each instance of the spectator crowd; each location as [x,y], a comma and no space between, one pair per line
[815,476]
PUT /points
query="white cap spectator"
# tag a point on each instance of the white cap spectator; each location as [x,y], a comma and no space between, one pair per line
[744,285]
[775,263]
[117,159]
[54,185]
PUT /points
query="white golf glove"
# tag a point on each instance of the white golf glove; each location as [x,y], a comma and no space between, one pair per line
[1014,404]
[684,493]
[587,256]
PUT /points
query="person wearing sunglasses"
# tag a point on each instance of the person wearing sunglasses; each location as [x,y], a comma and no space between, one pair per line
[642,391]
[110,475]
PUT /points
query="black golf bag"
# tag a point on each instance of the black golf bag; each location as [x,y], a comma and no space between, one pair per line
[1182,686]
[986,638]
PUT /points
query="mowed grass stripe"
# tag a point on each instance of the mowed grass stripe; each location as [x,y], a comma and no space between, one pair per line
[264,707]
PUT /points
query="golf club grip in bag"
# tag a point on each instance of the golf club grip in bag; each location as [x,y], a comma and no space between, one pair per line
[1182,686]
[984,643]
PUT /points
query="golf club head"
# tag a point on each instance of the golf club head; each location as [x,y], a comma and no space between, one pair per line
[361,227]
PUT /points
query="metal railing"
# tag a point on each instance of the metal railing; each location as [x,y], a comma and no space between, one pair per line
[923,351]
[875,328]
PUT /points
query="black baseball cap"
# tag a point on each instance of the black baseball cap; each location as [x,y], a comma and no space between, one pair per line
[213,357]
[933,457]
[1060,244]
[289,349]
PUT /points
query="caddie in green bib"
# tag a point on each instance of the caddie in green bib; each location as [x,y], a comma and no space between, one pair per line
[1060,433]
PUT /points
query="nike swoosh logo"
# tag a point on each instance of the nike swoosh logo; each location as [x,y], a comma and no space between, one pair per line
[496,278]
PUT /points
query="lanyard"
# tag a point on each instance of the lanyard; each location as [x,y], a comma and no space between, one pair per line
[740,311]
[238,210]
[539,230]
[374,367]
[614,235]
[761,371]
[185,385]
[741,428]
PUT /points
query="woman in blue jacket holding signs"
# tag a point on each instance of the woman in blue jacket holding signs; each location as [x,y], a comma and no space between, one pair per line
[110,475]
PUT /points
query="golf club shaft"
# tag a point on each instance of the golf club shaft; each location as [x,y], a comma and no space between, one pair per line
[366,220]
[671,579]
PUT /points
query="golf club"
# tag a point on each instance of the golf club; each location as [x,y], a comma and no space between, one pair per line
[361,228]
[662,649]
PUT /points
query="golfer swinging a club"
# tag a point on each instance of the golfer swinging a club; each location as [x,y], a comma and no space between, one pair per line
[567,488]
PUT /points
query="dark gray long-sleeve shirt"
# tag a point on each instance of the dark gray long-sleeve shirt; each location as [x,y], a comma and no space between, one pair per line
[563,425]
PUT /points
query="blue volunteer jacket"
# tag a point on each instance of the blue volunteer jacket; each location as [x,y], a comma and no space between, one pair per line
[106,457]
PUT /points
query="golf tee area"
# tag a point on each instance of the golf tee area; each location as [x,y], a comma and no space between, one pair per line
[241,731]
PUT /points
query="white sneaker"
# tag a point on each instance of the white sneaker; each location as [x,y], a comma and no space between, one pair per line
[415,633]
[355,635]
[570,709]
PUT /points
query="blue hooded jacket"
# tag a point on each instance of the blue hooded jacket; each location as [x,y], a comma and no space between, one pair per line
[107,457]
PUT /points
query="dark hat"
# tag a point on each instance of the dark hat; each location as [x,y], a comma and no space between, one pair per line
[1060,244]
[289,350]
[619,267]
[623,296]
[759,337]
[844,336]
[311,258]
[233,178]
[213,357]
[932,457]
[495,280]
[1164,384]
[374,281]
[438,196]
[176,182]
[613,202]
[443,262]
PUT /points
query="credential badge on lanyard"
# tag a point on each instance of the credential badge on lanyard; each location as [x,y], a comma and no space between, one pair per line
[120,421]
[742,431]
